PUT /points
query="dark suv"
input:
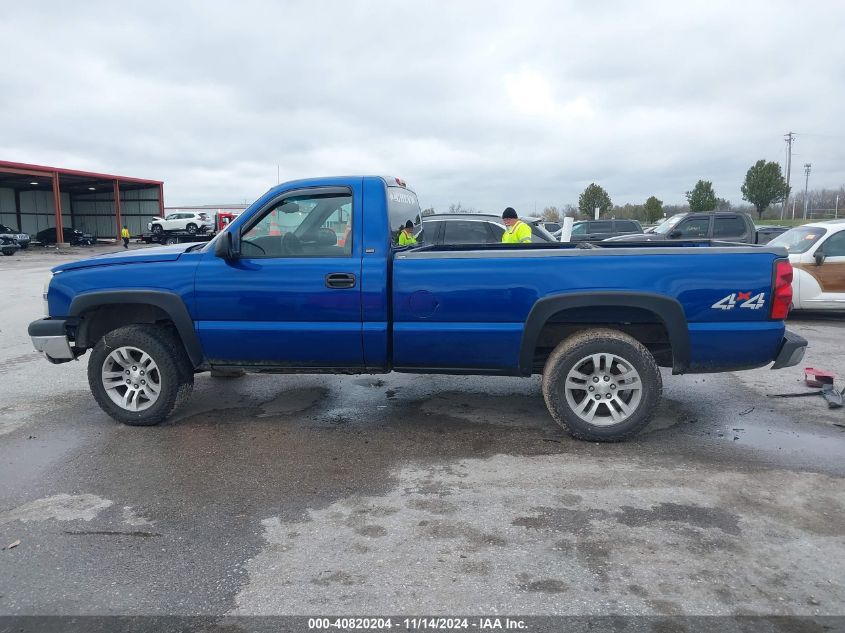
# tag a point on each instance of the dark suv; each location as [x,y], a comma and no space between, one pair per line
[472,228]
[74,237]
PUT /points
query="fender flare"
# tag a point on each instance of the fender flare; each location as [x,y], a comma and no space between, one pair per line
[667,309]
[171,303]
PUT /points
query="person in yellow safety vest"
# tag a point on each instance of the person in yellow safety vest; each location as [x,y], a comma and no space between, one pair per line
[124,234]
[517,231]
[406,235]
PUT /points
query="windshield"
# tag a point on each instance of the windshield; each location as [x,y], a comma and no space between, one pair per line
[799,239]
[667,224]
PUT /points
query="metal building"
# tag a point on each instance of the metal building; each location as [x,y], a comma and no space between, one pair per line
[35,197]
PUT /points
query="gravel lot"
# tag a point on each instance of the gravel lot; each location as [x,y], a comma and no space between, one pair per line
[413,494]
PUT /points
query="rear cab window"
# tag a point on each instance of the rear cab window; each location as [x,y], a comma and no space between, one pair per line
[402,205]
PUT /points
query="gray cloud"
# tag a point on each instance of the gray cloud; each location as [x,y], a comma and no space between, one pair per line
[490,103]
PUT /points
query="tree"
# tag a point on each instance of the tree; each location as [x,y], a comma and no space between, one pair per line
[702,197]
[653,209]
[594,196]
[723,204]
[551,214]
[763,185]
[429,211]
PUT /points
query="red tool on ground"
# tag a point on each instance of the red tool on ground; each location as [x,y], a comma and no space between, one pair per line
[817,377]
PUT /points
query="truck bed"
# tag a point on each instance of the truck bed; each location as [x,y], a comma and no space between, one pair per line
[451,301]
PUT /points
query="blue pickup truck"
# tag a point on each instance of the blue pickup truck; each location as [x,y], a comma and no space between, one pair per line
[310,279]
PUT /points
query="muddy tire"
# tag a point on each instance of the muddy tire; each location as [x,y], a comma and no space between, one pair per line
[139,374]
[601,385]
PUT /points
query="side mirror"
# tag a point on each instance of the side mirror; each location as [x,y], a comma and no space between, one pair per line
[675,234]
[227,246]
[819,257]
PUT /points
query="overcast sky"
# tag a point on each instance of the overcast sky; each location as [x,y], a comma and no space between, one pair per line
[487,103]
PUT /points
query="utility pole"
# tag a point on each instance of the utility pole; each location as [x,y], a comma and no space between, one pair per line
[788,137]
[836,208]
[807,167]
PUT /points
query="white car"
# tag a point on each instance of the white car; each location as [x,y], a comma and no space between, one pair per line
[817,253]
[182,221]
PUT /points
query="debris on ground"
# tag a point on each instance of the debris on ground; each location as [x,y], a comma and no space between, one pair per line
[747,411]
[830,393]
[817,377]
[13,544]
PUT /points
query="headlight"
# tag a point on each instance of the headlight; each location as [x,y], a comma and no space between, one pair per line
[44,293]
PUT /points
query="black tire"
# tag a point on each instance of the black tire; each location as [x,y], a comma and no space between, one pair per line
[191,228]
[171,240]
[9,252]
[156,228]
[174,369]
[624,352]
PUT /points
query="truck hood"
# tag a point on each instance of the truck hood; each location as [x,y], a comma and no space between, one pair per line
[140,256]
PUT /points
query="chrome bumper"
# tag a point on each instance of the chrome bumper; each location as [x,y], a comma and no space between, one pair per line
[48,336]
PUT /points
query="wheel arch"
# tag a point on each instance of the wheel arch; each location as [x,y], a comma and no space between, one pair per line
[666,311]
[155,301]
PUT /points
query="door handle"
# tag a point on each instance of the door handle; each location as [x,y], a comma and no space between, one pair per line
[340,280]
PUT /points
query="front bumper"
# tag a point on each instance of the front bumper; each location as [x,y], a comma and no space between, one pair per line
[50,337]
[791,350]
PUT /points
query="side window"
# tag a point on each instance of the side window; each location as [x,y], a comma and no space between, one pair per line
[305,225]
[835,245]
[731,226]
[496,232]
[695,227]
[580,229]
[626,226]
[431,232]
[465,232]
[601,227]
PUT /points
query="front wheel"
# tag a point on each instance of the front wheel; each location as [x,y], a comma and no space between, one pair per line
[158,229]
[139,374]
[601,385]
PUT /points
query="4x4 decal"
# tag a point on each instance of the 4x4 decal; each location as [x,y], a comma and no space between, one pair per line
[730,302]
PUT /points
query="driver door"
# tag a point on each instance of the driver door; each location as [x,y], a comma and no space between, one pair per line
[292,299]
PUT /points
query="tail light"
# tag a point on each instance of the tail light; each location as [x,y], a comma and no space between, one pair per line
[782,295]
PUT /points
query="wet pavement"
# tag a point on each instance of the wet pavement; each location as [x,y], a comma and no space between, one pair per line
[413,494]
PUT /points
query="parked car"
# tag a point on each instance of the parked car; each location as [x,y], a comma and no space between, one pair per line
[595,230]
[472,228]
[551,227]
[74,237]
[22,239]
[192,222]
[596,323]
[722,226]
[817,252]
[8,246]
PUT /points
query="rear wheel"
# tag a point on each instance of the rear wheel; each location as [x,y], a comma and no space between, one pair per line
[601,385]
[191,228]
[139,374]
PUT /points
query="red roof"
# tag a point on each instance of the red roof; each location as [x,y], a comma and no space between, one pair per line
[4,164]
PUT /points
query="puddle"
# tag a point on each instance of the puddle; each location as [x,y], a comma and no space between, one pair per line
[821,447]
[293,401]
